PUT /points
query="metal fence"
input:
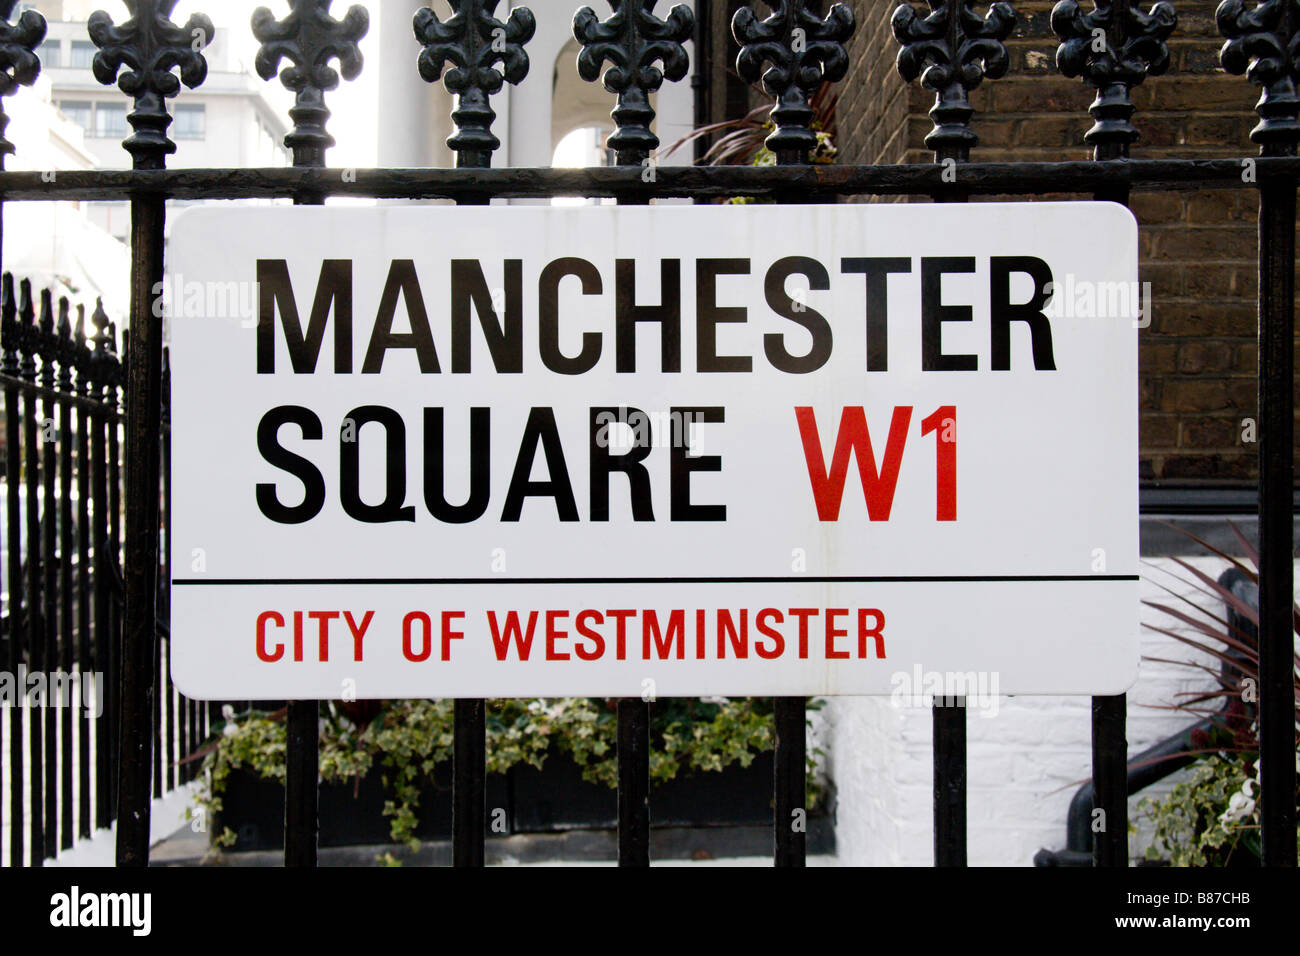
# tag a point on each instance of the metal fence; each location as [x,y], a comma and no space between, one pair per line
[793,51]
[61,580]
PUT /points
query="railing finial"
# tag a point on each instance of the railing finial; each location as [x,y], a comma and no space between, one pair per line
[309,38]
[26,331]
[19,65]
[1114,48]
[149,45]
[47,345]
[804,50]
[1262,44]
[81,353]
[474,42]
[952,49]
[632,40]
[9,331]
[66,350]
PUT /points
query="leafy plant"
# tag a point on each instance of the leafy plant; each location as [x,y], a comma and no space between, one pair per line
[407,739]
[740,142]
[1213,818]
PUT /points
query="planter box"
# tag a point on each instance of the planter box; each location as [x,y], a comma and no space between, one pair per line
[536,801]
[351,812]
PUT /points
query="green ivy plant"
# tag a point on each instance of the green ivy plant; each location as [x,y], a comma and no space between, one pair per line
[1211,819]
[407,739]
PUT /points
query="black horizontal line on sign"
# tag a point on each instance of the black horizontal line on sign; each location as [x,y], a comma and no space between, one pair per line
[781,579]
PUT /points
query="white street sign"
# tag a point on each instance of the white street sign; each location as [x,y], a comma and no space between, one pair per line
[653,451]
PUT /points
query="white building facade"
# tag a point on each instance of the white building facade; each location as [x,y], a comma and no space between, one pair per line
[533,118]
[228,121]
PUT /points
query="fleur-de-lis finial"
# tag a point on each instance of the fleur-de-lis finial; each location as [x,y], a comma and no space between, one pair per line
[804,51]
[309,38]
[473,41]
[19,64]
[633,39]
[149,45]
[952,49]
[1262,43]
[1115,47]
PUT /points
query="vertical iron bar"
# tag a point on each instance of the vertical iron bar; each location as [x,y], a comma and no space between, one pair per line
[633,714]
[302,768]
[1110,779]
[948,720]
[469,715]
[8,332]
[181,733]
[155,768]
[102,421]
[790,714]
[19,624]
[162,606]
[49,577]
[790,786]
[633,782]
[48,662]
[1110,713]
[302,717]
[36,624]
[1277,696]
[140,570]
[84,664]
[949,782]
[169,689]
[67,627]
[113,678]
[468,789]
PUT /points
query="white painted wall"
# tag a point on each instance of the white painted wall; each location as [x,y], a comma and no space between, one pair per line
[1025,763]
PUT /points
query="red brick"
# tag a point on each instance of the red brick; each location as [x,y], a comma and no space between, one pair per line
[1209,433]
[1158,431]
[1157,207]
[1194,395]
[1204,356]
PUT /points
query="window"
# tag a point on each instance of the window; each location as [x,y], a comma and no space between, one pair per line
[77,111]
[190,122]
[83,52]
[110,121]
[51,54]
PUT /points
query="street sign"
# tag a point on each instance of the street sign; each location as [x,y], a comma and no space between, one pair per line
[667,450]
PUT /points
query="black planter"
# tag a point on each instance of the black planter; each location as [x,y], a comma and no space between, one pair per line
[536,801]
[351,812]
[557,798]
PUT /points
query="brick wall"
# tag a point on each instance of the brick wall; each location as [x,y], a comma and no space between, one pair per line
[1197,249]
